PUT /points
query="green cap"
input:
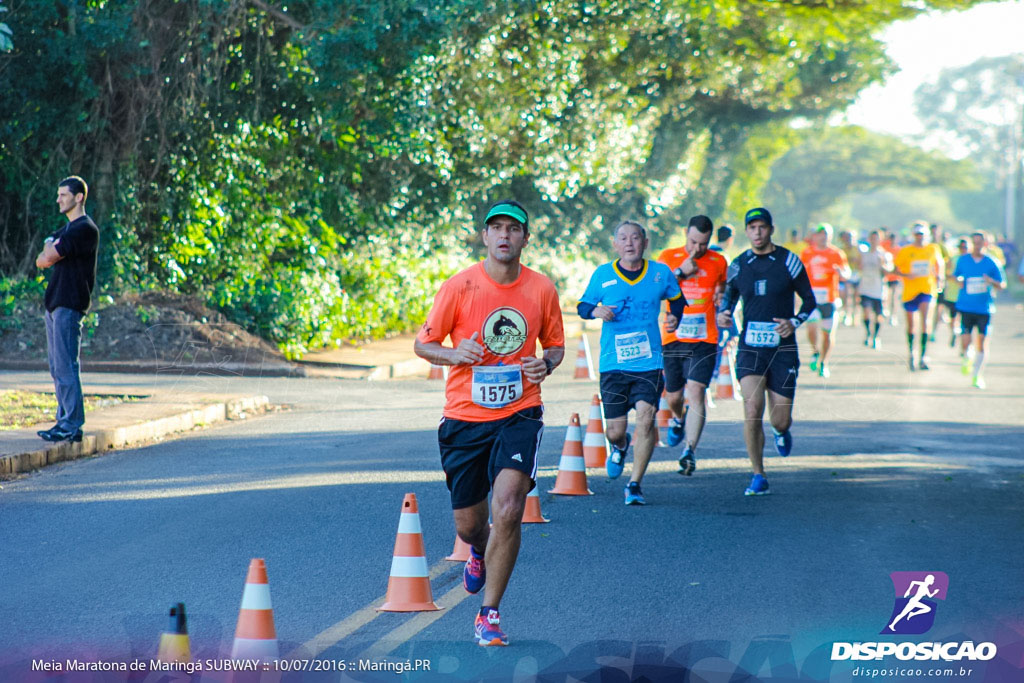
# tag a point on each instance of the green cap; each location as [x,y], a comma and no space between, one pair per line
[510,210]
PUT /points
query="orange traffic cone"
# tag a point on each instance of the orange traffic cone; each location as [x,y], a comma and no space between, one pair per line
[531,513]
[664,414]
[409,583]
[584,361]
[460,553]
[572,476]
[438,372]
[595,446]
[723,388]
[255,637]
[174,645]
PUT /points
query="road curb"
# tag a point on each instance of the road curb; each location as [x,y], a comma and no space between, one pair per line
[144,432]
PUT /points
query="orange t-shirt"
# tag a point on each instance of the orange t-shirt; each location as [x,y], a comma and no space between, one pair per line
[821,270]
[698,323]
[509,319]
[893,250]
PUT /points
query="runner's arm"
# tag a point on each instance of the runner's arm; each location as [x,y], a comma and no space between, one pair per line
[802,285]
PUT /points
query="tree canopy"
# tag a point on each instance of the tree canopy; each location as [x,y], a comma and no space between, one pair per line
[316,169]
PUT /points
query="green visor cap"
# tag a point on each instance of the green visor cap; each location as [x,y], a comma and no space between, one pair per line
[510,210]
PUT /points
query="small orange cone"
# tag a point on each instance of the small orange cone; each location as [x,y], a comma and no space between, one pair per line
[531,513]
[438,372]
[255,637]
[572,475]
[409,583]
[664,413]
[723,388]
[584,361]
[595,446]
[174,645]
[460,553]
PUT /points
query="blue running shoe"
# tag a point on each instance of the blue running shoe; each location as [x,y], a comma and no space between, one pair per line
[475,574]
[687,463]
[634,496]
[783,442]
[487,630]
[617,460]
[758,486]
[674,435]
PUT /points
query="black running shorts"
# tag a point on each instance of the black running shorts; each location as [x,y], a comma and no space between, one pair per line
[871,303]
[688,361]
[622,390]
[472,453]
[779,367]
[968,321]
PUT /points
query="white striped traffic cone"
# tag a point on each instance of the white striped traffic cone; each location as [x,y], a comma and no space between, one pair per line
[584,361]
[532,513]
[572,474]
[409,583]
[255,637]
[595,445]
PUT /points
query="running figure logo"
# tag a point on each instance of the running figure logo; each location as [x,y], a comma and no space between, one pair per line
[914,610]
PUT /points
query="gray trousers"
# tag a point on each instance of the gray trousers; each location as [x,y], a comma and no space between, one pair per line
[63,341]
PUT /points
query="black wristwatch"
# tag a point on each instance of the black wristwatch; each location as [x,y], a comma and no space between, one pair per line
[550,366]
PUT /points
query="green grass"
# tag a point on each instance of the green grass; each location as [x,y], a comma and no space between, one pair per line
[26,408]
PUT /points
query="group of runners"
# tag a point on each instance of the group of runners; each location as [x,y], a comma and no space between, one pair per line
[497,311]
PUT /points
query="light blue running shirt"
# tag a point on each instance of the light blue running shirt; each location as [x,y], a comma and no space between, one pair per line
[976,294]
[632,341]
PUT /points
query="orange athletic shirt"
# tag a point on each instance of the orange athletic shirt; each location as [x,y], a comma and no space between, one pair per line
[820,265]
[699,290]
[893,250]
[509,319]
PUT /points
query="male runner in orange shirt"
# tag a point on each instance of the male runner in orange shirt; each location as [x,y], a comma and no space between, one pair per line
[825,266]
[494,312]
[690,349]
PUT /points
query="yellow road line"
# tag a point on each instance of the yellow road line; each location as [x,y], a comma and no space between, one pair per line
[335,633]
[407,630]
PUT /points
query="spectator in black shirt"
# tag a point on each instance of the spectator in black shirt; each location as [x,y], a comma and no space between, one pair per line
[71,251]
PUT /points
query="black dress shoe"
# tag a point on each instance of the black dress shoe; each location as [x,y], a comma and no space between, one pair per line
[59,434]
[45,433]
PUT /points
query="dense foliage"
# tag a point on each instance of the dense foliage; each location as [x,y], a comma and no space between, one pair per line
[315,169]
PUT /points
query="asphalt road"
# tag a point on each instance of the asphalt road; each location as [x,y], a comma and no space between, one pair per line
[891,471]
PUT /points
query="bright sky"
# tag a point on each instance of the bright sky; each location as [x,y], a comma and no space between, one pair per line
[923,47]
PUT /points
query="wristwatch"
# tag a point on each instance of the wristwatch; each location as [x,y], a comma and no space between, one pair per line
[550,366]
[795,322]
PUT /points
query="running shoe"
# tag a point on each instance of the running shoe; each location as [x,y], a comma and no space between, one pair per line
[814,362]
[867,341]
[617,460]
[475,573]
[675,432]
[911,365]
[965,367]
[687,463]
[922,365]
[931,337]
[783,442]
[634,496]
[487,630]
[876,343]
[758,486]
[823,371]
[979,382]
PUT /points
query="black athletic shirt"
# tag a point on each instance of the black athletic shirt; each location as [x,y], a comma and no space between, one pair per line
[74,276]
[767,282]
